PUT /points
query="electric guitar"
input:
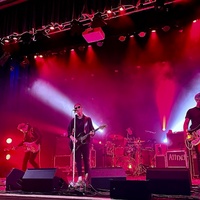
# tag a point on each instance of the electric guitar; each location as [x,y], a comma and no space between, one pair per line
[194,137]
[28,146]
[82,138]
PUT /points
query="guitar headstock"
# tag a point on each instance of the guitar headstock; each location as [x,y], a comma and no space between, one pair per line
[102,126]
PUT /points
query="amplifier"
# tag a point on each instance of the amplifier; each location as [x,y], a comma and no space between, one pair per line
[177,159]
[62,161]
[160,161]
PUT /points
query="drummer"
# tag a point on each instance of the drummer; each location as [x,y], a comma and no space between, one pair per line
[130,137]
[129,143]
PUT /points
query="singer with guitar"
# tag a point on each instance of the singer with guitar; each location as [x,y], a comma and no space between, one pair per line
[31,144]
[83,127]
[192,133]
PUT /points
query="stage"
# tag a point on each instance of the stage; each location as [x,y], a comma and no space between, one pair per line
[91,194]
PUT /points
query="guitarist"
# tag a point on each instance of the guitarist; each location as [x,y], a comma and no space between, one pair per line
[193,117]
[31,143]
[83,126]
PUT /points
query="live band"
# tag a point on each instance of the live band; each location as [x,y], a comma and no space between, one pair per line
[126,151]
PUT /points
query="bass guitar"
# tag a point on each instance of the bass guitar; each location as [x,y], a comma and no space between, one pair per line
[28,146]
[82,138]
[193,138]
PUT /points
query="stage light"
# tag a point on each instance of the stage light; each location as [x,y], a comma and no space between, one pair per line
[93,35]
[8,156]
[98,21]
[166,28]
[159,4]
[26,38]
[100,43]
[122,38]
[76,28]
[39,35]
[9,140]
[142,34]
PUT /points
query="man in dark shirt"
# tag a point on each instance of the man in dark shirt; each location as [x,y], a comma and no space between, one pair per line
[193,117]
[83,129]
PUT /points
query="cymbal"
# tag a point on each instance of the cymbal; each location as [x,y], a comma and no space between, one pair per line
[138,141]
[115,137]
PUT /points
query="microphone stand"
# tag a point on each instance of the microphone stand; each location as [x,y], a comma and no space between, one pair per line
[73,151]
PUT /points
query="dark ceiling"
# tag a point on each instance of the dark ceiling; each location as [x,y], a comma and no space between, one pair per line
[34,16]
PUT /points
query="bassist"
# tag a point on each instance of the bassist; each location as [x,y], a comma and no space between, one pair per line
[83,126]
[31,143]
[193,117]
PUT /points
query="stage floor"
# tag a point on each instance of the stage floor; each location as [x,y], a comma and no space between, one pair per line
[89,194]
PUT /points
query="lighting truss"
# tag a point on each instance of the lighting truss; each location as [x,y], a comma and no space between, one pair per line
[86,19]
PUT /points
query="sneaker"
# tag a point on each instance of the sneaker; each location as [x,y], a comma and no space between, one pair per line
[80,184]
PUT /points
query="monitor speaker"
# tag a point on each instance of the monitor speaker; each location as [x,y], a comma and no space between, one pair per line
[14,180]
[130,189]
[44,180]
[101,177]
[169,181]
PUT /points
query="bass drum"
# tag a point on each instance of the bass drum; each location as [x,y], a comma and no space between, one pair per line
[127,163]
[147,156]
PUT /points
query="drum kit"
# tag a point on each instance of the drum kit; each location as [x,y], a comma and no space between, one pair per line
[128,153]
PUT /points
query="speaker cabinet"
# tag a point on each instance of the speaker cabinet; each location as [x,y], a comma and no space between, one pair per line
[43,180]
[169,181]
[14,180]
[135,189]
[101,177]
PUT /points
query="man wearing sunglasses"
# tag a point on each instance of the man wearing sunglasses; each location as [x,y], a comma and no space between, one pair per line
[80,136]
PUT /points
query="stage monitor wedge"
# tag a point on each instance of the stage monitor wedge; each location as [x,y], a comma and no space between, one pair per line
[169,181]
[44,180]
[101,177]
[14,180]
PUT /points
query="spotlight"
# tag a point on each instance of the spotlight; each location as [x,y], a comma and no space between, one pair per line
[122,38]
[159,4]
[142,34]
[39,34]
[100,43]
[76,28]
[98,21]
[26,38]
[166,28]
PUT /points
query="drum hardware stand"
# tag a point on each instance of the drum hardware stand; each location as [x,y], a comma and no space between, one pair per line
[140,168]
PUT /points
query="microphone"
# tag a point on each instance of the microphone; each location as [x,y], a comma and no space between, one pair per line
[74,110]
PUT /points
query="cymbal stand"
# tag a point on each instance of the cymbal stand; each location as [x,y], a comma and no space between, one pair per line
[140,168]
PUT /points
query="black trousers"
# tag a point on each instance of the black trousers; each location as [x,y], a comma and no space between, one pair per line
[29,157]
[82,153]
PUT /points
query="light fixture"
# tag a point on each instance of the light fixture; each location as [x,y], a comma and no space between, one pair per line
[76,28]
[39,35]
[100,43]
[142,34]
[122,38]
[93,35]
[98,21]
[26,38]
[166,28]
